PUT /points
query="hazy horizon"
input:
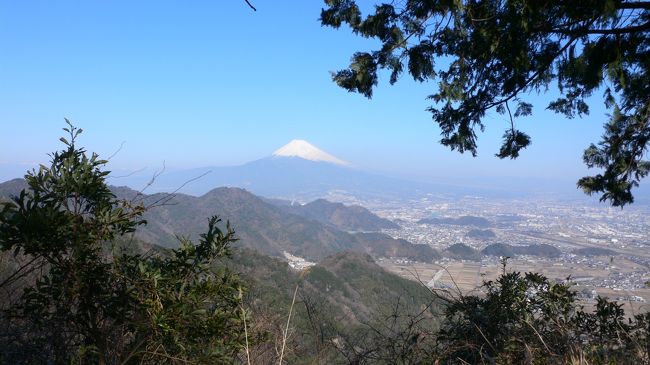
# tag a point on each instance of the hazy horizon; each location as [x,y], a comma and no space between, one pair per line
[563,187]
[203,85]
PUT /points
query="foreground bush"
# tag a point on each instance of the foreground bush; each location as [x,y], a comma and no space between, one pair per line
[81,291]
[529,319]
[517,319]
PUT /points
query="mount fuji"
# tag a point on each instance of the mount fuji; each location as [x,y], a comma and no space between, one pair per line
[305,150]
[297,170]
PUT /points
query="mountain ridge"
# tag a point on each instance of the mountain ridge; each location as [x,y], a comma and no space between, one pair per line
[259,225]
[341,216]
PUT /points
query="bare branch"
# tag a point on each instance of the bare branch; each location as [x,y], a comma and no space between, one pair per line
[251,5]
[117,151]
[171,195]
[127,175]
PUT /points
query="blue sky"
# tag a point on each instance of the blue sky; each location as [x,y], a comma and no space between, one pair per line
[197,83]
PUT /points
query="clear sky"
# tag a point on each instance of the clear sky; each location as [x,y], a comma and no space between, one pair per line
[197,83]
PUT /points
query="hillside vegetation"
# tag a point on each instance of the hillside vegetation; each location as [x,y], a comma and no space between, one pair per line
[78,286]
[344,217]
[337,301]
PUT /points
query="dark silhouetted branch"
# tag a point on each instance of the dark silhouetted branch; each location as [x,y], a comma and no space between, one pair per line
[251,5]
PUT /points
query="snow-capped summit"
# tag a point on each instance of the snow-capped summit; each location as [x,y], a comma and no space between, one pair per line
[303,149]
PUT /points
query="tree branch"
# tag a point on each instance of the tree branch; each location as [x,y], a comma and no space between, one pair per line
[251,5]
[512,122]
[572,37]
[531,78]
[634,5]
[18,275]
[632,29]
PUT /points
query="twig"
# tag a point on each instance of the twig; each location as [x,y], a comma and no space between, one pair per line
[251,5]
[512,123]
[140,193]
[540,337]
[170,196]
[485,338]
[15,276]
[170,357]
[117,151]
[248,356]
[286,330]
[127,175]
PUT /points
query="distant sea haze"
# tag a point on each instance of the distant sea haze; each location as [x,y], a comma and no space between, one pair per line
[302,171]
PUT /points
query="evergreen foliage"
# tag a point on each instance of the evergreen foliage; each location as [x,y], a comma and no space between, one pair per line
[528,319]
[76,295]
[489,55]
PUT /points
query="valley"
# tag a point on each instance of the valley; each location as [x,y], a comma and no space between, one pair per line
[604,251]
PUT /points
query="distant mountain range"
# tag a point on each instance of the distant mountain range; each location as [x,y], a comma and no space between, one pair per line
[344,217]
[301,171]
[286,177]
[263,226]
[296,171]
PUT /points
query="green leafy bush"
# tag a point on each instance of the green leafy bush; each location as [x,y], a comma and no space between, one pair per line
[526,318]
[79,296]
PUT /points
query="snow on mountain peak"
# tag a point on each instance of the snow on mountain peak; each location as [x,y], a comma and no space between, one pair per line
[303,149]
